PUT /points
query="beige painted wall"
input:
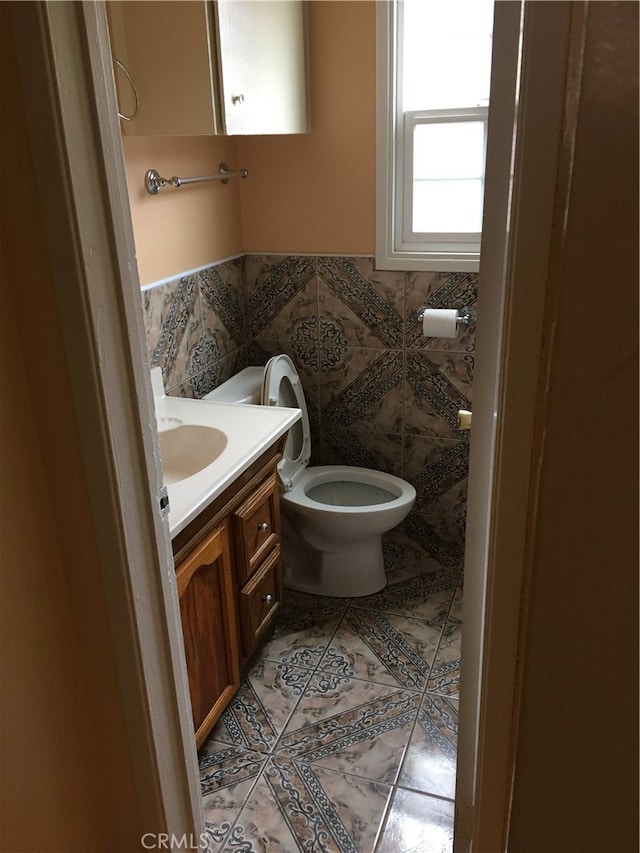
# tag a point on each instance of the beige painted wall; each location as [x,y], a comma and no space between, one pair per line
[316,193]
[52,789]
[576,764]
[181,229]
[65,767]
[305,193]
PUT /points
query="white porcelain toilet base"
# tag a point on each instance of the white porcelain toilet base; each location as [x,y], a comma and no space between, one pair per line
[349,573]
[316,562]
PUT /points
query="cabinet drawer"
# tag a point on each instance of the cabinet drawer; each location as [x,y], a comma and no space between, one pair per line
[256,524]
[259,601]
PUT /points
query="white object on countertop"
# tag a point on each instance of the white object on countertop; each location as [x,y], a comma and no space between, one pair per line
[157,382]
[440,322]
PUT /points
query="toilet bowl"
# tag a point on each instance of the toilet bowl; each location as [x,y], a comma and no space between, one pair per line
[333,516]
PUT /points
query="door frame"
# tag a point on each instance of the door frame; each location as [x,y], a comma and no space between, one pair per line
[525,148]
[65,67]
[79,164]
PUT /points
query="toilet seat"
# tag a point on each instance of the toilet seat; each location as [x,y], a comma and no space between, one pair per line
[281,386]
[301,495]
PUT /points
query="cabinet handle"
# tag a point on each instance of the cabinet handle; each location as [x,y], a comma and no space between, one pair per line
[267,599]
[237,99]
[264,526]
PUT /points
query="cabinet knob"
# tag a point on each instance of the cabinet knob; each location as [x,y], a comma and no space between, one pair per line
[264,526]
[267,599]
[237,99]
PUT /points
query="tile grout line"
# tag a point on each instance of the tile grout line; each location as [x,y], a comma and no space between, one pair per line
[435,657]
[425,793]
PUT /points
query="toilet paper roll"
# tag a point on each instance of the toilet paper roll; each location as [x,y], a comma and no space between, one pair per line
[440,323]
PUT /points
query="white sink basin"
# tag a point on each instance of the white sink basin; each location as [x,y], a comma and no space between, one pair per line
[205,445]
[188,448]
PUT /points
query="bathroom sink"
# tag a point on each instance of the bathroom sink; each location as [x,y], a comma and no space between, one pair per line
[205,445]
[188,448]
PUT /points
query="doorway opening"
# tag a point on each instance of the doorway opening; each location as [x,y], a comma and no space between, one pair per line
[136,389]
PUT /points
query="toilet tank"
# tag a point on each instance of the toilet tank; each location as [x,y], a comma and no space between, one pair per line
[244,387]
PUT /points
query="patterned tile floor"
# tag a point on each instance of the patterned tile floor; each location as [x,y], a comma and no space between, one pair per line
[343,737]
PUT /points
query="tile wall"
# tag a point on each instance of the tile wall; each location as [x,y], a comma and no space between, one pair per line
[380,395]
[196,328]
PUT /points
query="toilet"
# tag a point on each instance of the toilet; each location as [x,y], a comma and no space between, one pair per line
[333,516]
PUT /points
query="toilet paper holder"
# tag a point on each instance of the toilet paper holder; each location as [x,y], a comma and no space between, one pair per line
[466,316]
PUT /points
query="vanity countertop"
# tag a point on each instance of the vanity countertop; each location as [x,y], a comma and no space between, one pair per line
[249,431]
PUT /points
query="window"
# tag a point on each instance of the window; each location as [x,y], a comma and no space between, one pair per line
[434,62]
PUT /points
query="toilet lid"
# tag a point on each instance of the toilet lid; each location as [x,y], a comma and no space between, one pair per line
[281,386]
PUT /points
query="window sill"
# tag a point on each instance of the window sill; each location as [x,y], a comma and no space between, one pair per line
[429,261]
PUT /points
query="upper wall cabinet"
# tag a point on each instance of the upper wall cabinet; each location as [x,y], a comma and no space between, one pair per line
[199,67]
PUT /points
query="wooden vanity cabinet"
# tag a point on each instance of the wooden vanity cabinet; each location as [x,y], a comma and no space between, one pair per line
[209,627]
[229,577]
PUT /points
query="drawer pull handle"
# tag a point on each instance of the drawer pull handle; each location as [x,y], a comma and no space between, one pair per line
[267,599]
[264,526]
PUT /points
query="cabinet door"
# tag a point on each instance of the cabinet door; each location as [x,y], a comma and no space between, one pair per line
[204,67]
[166,47]
[207,608]
[263,66]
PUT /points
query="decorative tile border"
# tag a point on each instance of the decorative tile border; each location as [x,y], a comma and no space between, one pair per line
[406,559]
[363,449]
[367,303]
[438,469]
[427,597]
[388,648]
[445,673]
[297,806]
[281,293]
[427,532]
[438,385]
[224,311]
[173,327]
[303,629]
[364,392]
[261,707]
[351,726]
[227,775]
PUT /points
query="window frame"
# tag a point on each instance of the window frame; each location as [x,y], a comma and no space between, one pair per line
[446,252]
[406,238]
